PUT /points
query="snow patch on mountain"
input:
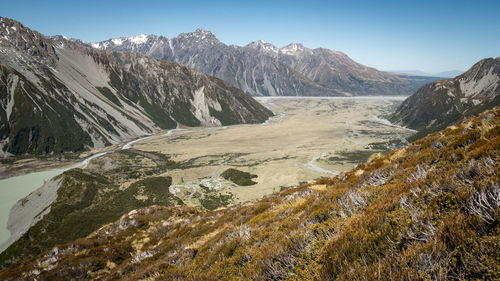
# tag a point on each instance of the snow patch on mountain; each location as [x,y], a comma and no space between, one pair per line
[138,39]
[118,41]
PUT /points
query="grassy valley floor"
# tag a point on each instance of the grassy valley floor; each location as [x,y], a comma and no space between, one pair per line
[309,138]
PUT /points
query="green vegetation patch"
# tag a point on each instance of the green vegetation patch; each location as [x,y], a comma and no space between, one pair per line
[214,201]
[357,156]
[109,95]
[226,116]
[239,177]
[7,161]
[387,145]
[128,164]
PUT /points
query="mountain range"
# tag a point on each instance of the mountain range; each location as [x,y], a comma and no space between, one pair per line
[444,102]
[262,69]
[60,96]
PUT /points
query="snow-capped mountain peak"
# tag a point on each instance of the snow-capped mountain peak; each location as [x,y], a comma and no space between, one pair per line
[138,39]
[262,45]
[203,32]
[198,36]
[134,43]
[293,49]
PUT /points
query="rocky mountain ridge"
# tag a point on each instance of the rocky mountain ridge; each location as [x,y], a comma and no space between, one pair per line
[262,69]
[444,102]
[58,95]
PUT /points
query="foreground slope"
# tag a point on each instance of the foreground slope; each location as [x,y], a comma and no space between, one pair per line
[262,69]
[429,210]
[442,103]
[59,96]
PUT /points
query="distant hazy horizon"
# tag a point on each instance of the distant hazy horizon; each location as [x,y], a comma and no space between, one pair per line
[445,74]
[422,35]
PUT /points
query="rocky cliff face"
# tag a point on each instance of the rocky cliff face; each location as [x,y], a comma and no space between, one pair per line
[262,69]
[442,103]
[427,211]
[58,96]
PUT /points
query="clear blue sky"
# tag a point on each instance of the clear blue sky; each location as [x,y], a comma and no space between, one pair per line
[431,36]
